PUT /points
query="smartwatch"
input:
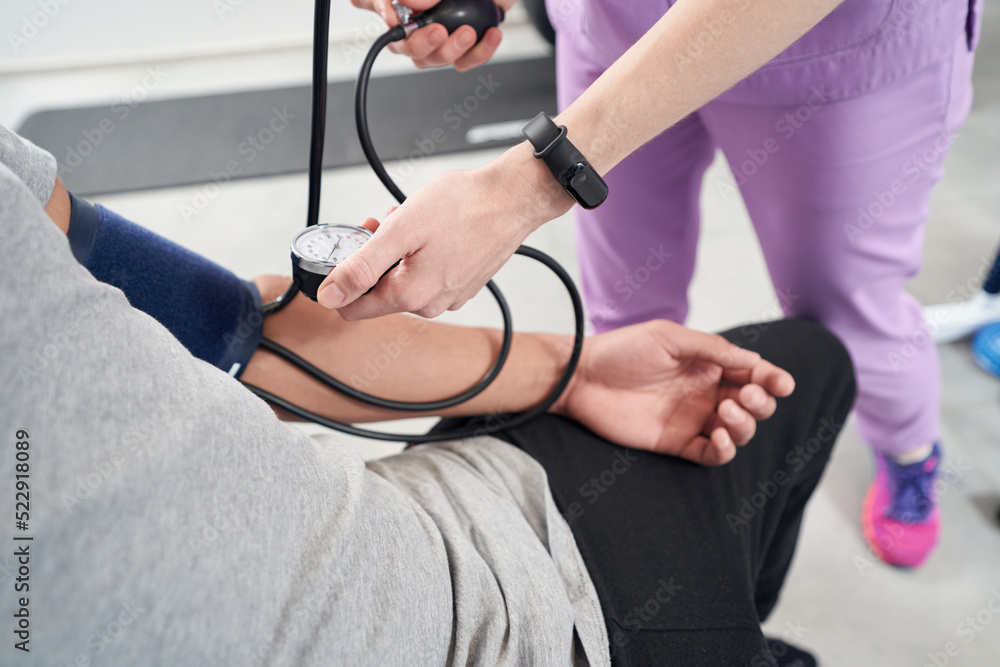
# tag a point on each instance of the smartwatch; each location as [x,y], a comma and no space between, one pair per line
[565,162]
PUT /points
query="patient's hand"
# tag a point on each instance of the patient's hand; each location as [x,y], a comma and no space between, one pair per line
[656,386]
[669,389]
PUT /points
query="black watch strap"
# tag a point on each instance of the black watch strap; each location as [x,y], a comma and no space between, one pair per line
[565,161]
[542,132]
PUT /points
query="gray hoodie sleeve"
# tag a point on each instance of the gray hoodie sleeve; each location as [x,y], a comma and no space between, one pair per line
[34,166]
[173,520]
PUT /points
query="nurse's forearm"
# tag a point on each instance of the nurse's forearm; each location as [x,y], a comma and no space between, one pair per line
[696,51]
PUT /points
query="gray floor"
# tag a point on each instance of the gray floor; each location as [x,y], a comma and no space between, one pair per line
[839,601]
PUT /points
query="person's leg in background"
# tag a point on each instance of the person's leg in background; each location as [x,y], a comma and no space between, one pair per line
[688,560]
[839,207]
[637,250]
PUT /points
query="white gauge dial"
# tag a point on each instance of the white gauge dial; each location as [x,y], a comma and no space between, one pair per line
[329,245]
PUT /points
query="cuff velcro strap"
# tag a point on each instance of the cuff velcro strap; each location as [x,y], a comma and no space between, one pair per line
[215,315]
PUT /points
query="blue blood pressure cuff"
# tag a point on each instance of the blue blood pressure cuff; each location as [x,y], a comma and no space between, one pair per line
[215,315]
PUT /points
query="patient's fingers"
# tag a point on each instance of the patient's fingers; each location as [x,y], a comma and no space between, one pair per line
[684,343]
[709,451]
[740,424]
[757,401]
[722,441]
[777,381]
[752,398]
[730,427]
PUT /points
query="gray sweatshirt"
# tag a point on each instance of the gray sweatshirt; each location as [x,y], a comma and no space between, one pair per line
[174,520]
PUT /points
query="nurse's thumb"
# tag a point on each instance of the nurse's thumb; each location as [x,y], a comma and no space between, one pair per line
[353,277]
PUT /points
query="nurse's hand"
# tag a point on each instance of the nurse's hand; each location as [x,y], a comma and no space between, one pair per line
[665,388]
[432,46]
[451,236]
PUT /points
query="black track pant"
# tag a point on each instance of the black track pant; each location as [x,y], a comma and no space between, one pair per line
[688,560]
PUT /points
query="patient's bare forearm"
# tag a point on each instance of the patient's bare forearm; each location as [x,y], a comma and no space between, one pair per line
[401,358]
[58,208]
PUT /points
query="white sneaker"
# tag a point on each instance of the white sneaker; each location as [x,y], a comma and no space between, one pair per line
[949,322]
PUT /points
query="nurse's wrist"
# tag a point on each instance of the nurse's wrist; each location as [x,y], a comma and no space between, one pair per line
[593,133]
[527,188]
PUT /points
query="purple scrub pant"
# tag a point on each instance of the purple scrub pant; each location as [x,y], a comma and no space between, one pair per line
[838,192]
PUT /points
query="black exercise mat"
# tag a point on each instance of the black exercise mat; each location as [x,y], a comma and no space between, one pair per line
[257,133]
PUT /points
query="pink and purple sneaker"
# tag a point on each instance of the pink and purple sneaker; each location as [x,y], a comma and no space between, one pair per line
[900,515]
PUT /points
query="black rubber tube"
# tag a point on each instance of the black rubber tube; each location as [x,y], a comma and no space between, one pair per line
[320,55]
[510,422]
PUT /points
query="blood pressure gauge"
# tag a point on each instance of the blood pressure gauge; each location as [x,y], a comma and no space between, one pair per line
[316,250]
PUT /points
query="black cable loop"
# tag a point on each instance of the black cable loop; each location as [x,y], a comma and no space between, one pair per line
[320,54]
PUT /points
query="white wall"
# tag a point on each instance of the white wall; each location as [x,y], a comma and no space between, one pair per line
[66,53]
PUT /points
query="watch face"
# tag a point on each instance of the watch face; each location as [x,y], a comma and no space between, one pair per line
[586,186]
